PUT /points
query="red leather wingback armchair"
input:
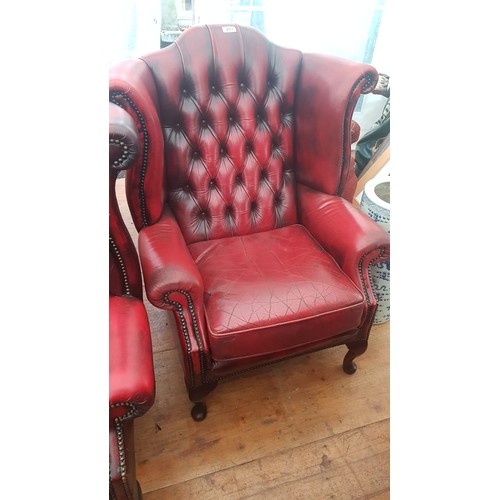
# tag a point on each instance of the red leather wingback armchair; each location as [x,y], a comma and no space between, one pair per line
[239,197]
[131,373]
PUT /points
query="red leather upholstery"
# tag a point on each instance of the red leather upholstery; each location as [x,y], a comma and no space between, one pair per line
[241,199]
[264,290]
[131,376]
[131,372]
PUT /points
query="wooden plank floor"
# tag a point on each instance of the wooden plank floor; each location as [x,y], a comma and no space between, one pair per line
[299,429]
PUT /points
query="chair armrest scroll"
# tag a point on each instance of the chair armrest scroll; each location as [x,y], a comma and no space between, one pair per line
[353,239]
[132,87]
[172,281]
[123,139]
[166,262]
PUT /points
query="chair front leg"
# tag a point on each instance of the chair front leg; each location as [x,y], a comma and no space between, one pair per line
[197,362]
[355,350]
[196,395]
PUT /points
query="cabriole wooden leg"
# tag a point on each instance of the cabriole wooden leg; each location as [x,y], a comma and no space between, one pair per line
[196,395]
[355,350]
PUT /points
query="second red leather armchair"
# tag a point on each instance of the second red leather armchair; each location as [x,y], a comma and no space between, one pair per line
[131,371]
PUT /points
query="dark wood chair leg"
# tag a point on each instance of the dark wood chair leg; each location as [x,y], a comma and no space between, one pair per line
[355,350]
[199,411]
[196,395]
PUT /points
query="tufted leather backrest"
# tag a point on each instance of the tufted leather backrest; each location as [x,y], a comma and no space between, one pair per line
[226,99]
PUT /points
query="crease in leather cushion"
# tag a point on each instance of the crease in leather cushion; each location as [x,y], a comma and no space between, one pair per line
[263,289]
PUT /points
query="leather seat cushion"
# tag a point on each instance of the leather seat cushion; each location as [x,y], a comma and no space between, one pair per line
[271,291]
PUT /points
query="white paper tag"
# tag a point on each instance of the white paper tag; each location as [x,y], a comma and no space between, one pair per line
[228,29]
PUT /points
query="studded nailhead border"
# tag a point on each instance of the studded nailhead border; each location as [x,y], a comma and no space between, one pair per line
[116,97]
[360,271]
[368,83]
[180,312]
[132,413]
[120,162]
[118,257]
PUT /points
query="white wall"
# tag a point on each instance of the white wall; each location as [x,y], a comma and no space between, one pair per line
[373,105]
[134,28]
[336,27]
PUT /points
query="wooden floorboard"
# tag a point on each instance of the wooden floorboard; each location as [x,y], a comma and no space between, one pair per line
[353,464]
[299,429]
[275,409]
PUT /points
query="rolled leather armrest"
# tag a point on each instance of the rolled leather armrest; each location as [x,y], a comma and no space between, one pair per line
[123,138]
[167,263]
[131,372]
[350,236]
[172,281]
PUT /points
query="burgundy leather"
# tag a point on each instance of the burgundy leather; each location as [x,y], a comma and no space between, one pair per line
[122,468]
[131,375]
[329,88]
[173,281]
[132,87]
[169,261]
[269,291]
[131,372]
[228,131]
[245,157]
[349,235]
[123,138]
[124,268]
